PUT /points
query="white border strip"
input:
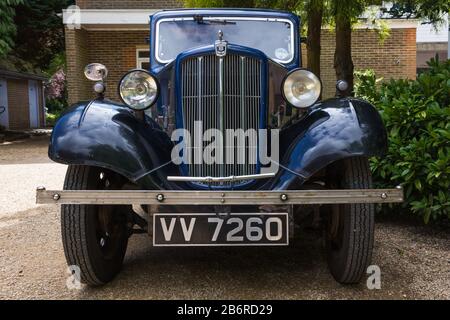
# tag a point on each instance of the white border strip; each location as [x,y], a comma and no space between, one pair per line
[109,17]
[141,17]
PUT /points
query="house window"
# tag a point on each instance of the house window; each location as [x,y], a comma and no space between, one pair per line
[143,59]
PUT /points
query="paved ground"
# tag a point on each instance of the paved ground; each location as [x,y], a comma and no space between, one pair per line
[24,165]
[414,261]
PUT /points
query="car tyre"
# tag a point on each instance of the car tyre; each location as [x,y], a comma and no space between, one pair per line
[94,237]
[350,227]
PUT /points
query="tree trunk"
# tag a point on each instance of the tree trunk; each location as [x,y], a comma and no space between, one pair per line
[314,28]
[343,63]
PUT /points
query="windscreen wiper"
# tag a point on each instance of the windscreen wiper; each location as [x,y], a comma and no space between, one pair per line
[199,19]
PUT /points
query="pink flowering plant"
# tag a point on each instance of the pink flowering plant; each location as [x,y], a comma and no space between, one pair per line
[57,85]
[56,96]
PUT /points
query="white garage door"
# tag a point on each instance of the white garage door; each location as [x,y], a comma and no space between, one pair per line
[33,96]
[4,116]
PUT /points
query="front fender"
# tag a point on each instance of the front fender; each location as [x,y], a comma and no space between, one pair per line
[333,130]
[105,134]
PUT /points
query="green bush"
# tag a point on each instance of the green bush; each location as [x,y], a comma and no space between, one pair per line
[417,117]
[55,105]
[366,84]
[51,118]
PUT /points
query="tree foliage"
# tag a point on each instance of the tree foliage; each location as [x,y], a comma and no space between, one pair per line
[7,26]
[343,14]
[346,13]
[431,11]
[40,31]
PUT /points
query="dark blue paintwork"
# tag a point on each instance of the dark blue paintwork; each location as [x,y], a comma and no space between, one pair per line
[332,130]
[106,134]
[156,67]
[109,135]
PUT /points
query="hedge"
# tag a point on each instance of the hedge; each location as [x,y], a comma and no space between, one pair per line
[417,117]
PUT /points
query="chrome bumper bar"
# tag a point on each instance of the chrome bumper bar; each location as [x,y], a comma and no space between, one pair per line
[139,197]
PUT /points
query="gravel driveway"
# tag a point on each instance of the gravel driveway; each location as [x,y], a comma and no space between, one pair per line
[414,260]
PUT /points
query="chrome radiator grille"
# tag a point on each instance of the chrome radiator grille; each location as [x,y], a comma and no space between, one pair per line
[222,93]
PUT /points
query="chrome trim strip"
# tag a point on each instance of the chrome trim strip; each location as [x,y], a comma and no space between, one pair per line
[221,179]
[199,99]
[243,72]
[221,106]
[201,198]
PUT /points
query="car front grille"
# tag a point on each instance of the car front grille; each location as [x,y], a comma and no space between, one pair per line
[224,93]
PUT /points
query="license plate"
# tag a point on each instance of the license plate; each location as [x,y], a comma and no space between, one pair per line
[204,229]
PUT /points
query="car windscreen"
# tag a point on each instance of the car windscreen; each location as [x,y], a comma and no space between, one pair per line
[273,37]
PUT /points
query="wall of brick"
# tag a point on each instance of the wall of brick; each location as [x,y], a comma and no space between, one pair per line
[18,104]
[77,52]
[115,49]
[128,4]
[395,58]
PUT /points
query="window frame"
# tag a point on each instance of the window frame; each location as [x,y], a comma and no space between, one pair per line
[231,18]
[139,60]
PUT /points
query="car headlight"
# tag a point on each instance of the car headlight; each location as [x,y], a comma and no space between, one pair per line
[301,88]
[139,89]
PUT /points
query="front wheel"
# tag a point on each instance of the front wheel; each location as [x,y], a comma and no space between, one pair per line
[95,238]
[350,227]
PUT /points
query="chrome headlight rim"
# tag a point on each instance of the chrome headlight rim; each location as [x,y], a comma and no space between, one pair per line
[158,89]
[284,82]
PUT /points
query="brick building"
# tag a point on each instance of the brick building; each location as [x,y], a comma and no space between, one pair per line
[432,41]
[22,100]
[115,33]
[394,58]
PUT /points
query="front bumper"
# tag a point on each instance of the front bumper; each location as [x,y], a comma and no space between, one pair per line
[168,197]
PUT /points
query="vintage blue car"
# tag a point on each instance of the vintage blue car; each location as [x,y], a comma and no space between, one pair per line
[223,142]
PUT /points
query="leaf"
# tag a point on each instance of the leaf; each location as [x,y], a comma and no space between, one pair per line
[405,172]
